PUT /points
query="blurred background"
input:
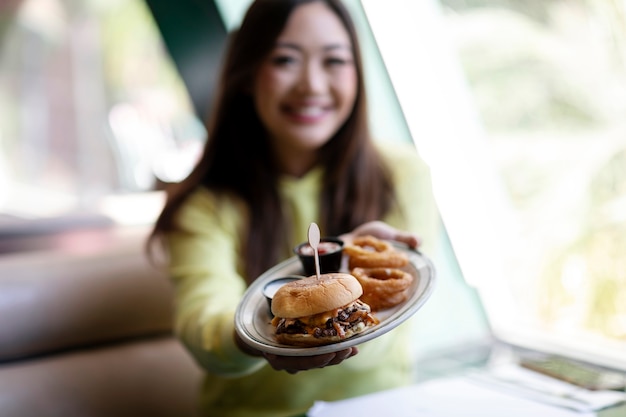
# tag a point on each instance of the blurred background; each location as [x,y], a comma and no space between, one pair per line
[520,117]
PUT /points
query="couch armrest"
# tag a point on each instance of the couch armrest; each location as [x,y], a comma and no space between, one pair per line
[56,299]
[152,377]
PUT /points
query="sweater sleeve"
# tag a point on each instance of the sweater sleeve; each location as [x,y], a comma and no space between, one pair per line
[204,253]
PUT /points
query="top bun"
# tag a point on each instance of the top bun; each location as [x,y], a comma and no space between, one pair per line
[309,296]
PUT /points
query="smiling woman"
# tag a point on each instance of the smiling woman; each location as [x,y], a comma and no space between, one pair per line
[307,86]
[291,110]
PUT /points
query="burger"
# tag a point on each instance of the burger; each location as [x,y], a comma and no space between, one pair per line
[318,311]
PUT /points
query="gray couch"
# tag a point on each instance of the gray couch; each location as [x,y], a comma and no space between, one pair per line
[86,330]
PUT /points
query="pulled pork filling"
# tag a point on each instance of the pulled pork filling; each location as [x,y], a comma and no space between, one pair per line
[333,323]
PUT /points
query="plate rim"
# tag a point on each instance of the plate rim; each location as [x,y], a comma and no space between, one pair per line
[396,318]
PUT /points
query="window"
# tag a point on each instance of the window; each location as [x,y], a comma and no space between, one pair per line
[518,108]
[91,109]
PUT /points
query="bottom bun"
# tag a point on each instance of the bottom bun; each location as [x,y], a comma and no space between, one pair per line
[310,340]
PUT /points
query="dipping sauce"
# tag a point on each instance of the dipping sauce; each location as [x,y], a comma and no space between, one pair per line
[322,248]
[330,251]
[271,287]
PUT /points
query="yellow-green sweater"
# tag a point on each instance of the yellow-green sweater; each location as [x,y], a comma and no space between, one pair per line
[206,268]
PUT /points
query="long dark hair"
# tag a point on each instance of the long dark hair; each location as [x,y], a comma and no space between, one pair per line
[237,157]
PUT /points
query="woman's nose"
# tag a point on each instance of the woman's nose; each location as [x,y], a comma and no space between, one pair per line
[312,79]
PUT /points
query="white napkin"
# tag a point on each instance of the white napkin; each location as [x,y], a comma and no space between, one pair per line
[536,386]
[461,396]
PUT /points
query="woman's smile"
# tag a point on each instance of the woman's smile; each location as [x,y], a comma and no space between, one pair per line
[306,113]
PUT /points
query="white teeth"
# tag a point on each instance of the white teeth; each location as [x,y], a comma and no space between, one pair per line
[309,111]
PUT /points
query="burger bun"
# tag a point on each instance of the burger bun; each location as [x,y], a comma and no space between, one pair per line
[313,295]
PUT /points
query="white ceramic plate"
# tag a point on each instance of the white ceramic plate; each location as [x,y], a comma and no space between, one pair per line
[253,317]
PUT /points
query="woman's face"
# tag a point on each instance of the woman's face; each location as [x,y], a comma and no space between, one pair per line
[306,88]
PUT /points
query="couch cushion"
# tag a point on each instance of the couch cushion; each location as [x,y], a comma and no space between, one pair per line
[59,299]
[152,377]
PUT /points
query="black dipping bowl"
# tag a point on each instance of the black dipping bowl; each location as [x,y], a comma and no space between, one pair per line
[272,286]
[330,252]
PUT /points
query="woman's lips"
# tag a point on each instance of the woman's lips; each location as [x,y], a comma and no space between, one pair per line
[307,114]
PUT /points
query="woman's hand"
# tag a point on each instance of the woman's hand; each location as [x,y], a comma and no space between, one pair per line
[295,364]
[382,230]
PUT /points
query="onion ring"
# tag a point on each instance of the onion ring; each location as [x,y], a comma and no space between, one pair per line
[383,287]
[371,252]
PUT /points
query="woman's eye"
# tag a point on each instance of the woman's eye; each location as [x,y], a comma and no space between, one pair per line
[337,61]
[283,60]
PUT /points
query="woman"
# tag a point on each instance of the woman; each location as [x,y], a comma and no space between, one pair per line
[288,145]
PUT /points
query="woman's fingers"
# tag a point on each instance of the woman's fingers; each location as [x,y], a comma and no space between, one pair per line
[343,355]
[410,239]
[294,364]
[382,230]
